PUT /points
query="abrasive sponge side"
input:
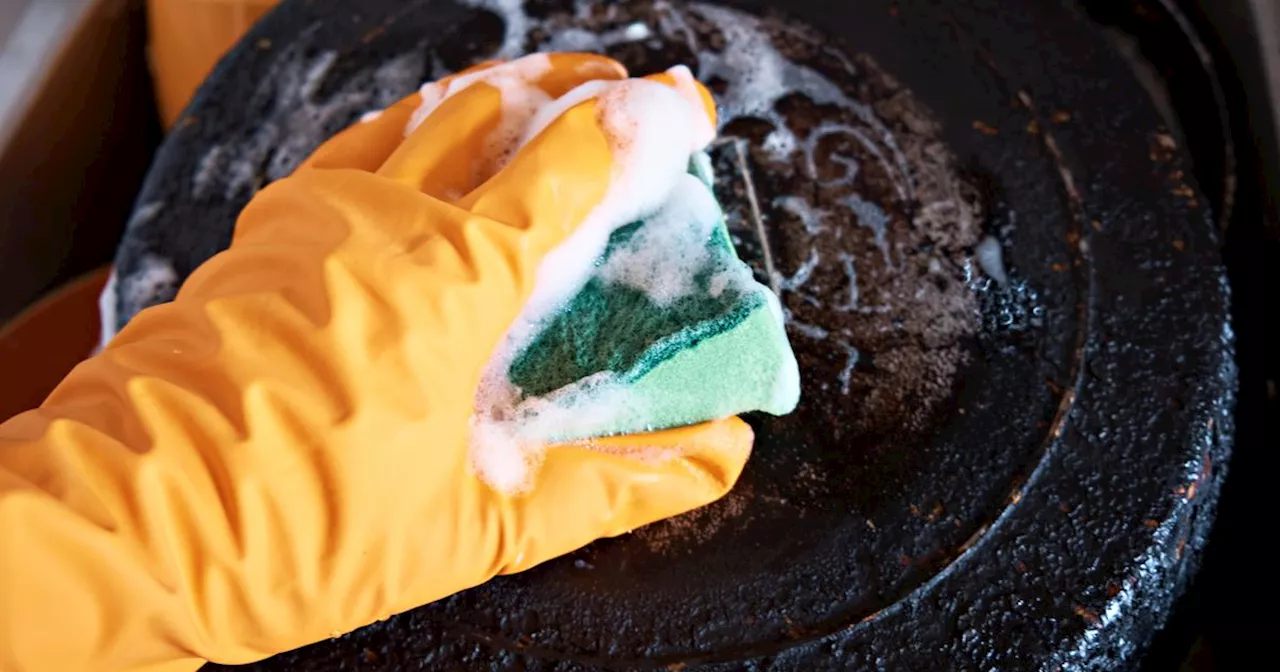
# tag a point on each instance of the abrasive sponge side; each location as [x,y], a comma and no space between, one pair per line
[671,329]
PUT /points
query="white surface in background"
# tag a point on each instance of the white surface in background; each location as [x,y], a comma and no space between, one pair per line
[27,49]
[1267,16]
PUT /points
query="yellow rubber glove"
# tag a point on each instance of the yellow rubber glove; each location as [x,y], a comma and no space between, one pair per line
[280,454]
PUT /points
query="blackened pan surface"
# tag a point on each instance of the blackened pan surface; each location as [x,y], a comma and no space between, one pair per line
[1003,286]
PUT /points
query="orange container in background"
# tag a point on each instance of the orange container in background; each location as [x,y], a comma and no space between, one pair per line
[40,346]
[187,38]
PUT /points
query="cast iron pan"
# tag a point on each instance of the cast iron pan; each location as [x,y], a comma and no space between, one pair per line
[1003,285]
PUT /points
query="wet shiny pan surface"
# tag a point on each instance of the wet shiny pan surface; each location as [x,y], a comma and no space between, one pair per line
[1001,283]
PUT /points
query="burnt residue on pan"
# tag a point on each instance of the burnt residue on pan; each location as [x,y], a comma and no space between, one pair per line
[1012,330]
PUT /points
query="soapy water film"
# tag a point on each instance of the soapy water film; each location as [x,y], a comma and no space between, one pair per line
[837,190]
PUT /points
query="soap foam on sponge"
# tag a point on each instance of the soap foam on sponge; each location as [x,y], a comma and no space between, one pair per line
[642,319]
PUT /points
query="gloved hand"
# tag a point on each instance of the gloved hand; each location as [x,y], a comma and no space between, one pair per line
[280,454]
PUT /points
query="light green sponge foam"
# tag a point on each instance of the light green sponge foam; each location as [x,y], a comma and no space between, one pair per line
[670,330]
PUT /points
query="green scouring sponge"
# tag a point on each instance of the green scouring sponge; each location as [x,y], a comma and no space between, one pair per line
[671,329]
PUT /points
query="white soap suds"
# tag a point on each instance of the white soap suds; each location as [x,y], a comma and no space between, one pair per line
[153,281]
[580,408]
[578,39]
[637,32]
[663,257]
[514,80]
[720,282]
[652,131]
[216,168]
[687,86]
[780,144]
[315,74]
[991,260]
[850,271]
[810,217]
[506,446]
[107,313]
[846,374]
[671,23]
[153,277]
[811,330]
[826,130]
[111,299]
[802,274]
[552,111]
[758,76]
[870,216]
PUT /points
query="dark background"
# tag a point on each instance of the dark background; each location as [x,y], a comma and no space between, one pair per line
[1228,619]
